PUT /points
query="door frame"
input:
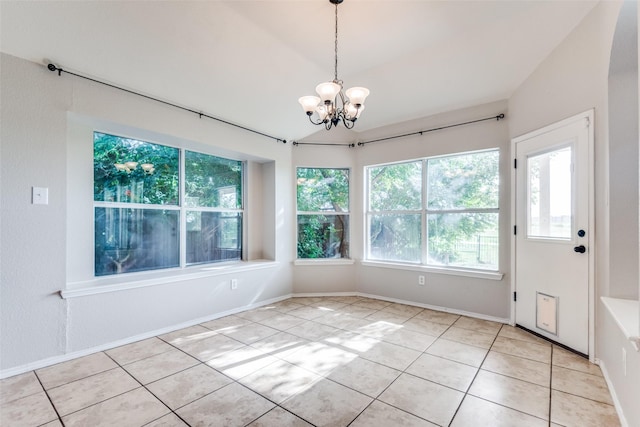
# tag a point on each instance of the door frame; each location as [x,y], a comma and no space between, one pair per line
[588,116]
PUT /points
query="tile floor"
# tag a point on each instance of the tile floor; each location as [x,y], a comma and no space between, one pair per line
[333,361]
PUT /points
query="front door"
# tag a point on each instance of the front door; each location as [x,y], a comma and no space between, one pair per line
[553,237]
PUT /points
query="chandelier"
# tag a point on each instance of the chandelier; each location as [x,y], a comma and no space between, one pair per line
[332,105]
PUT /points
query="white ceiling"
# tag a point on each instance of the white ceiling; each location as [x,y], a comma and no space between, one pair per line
[249,61]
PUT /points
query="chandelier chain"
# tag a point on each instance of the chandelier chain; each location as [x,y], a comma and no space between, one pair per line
[336,47]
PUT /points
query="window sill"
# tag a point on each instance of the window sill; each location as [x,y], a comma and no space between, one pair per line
[626,313]
[324,261]
[490,275]
[141,280]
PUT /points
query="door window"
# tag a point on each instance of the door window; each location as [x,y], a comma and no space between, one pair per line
[550,194]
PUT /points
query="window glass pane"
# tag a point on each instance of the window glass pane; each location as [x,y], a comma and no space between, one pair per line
[130,171]
[213,236]
[549,181]
[395,187]
[212,181]
[463,182]
[323,236]
[395,237]
[128,240]
[324,190]
[463,240]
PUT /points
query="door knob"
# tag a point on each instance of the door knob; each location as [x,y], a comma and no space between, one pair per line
[580,249]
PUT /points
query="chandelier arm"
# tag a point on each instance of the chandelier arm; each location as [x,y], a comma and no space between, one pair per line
[328,124]
[315,123]
[347,122]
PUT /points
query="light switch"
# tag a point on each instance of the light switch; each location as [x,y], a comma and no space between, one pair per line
[39,195]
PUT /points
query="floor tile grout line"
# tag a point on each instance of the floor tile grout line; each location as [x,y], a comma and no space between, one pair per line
[404,371]
[466,393]
[578,370]
[583,397]
[521,357]
[325,376]
[183,370]
[48,398]
[424,352]
[150,392]
[513,378]
[507,407]
[85,377]
[550,384]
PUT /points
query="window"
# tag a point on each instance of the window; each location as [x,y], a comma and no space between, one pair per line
[213,195]
[440,211]
[323,213]
[139,210]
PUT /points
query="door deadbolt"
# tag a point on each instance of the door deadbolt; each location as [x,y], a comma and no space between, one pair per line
[581,233]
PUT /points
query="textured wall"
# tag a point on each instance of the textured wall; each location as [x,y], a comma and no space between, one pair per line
[46,142]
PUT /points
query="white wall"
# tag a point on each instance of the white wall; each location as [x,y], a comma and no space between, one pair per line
[623,155]
[42,145]
[484,297]
[574,78]
[624,386]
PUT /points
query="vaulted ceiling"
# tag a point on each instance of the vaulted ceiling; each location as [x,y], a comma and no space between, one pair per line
[249,61]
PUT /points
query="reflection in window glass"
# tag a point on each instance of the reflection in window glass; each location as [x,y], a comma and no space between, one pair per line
[550,194]
[323,236]
[465,181]
[130,171]
[128,240]
[212,181]
[395,187]
[213,236]
[395,237]
[463,240]
[323,190]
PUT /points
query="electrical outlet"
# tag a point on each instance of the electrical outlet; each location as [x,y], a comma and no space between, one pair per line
[421,280]
[234,284]
[624,361]
[39,195]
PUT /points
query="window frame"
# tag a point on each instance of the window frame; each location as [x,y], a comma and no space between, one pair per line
[181,207]
[423,264]
[347,213]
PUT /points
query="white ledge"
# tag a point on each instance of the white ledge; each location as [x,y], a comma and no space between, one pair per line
[626,313]
[103,285]
[478,274]
[324,261]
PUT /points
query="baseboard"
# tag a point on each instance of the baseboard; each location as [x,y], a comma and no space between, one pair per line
[399,301]
[438,308]
[614,396]
[80,353]
[324,294]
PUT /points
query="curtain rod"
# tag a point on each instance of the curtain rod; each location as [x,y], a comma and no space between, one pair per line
[420,132]
[351,145]
[52,67]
